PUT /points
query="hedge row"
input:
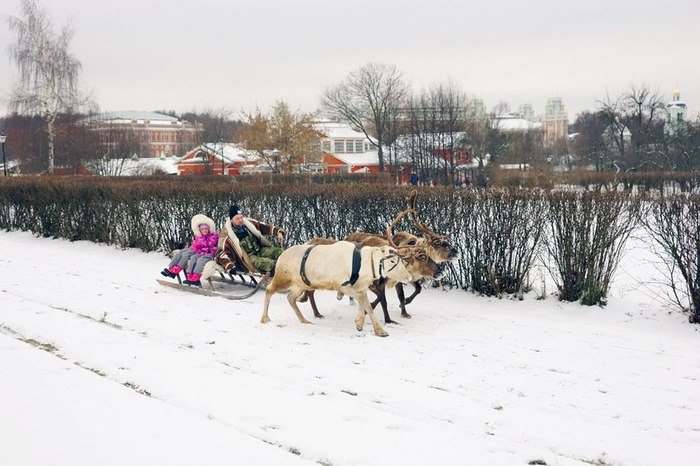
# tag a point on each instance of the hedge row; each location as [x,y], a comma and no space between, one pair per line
[500,233]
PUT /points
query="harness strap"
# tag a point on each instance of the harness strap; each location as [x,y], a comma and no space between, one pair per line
[302,268]
[356,262]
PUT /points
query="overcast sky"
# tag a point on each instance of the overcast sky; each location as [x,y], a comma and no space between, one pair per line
[210,54]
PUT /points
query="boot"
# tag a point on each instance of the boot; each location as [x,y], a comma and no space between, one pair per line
[171,272]
[193,279]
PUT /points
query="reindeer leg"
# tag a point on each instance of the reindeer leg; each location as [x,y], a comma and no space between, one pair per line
[268,294]
[292,298]
[312,301]
[380,291]
[402,301]
[365,308]
[417,288]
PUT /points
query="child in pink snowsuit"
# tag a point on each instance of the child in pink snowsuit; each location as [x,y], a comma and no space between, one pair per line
[202,250]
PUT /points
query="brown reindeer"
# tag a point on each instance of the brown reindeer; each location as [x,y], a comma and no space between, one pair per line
[430,251]
[436,246]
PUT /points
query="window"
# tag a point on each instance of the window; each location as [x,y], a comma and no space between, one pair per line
[359,146]
[326,146]
[339,147]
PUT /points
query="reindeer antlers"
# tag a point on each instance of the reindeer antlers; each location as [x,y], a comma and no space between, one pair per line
[389,234]
[411,200]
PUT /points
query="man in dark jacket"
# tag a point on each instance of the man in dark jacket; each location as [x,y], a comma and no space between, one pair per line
[242,244]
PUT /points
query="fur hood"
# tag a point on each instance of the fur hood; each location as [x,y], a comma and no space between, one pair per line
[198,220]
[229,236]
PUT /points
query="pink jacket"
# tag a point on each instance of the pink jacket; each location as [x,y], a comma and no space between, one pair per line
[205,244]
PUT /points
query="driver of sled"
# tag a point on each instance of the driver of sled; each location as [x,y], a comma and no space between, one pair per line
[202,250]
[243,245]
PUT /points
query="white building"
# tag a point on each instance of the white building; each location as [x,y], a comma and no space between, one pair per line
[676,111]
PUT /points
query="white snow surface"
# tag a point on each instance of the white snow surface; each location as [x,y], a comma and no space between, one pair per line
[100,365]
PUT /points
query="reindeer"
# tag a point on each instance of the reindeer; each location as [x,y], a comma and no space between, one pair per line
[339,266]
[432,250]
[438,248]
[418,264]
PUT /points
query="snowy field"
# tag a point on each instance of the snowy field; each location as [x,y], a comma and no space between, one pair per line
[100,365]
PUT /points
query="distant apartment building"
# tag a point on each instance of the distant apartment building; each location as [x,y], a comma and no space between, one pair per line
[555,121]
[148,134]
[525,112]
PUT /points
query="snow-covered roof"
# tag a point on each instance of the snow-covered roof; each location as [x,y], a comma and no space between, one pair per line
[231,153]
[514,166]
[515,124]
[136,167]
[130,115]
[359,158]
[436,140]
[337,130]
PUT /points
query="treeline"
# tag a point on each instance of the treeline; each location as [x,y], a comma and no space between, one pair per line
[502,235]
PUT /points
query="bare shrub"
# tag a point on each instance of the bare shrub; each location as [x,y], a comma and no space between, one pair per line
[586,235]
[674,224]
[499,234]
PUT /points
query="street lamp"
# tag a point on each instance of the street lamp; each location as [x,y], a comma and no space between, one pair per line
[275,157]
[4,163]
[221,144]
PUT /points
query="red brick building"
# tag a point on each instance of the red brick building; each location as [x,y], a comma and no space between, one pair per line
[217,159]
[149,134]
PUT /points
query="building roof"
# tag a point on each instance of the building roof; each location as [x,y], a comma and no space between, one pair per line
[337,130]
[231,153]
[359,158]
[516,124]
[130,115]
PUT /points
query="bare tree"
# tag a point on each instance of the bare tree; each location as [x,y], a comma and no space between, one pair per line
[616,135]
[644,112]
[116,145]
[48,72]
[217,125]
[589,145]
[635,127]
[434,123]
[681,148]
[369,99]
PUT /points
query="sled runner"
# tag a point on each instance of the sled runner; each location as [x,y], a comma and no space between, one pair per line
[236,286]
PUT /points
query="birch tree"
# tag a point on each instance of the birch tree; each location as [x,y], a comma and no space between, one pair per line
[47,82]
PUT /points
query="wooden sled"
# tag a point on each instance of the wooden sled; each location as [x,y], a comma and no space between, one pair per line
[235,286]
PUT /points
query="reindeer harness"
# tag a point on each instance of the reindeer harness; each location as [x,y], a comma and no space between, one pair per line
[354,275]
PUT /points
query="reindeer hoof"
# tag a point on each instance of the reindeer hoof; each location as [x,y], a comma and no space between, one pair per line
[358,327]
[382,334]
[406,315]
[389,321]
[265,320]
[319,316]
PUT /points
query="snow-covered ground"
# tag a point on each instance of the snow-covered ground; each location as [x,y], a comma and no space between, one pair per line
[100,365]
